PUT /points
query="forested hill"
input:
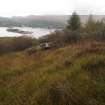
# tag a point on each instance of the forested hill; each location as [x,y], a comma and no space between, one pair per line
[44,21]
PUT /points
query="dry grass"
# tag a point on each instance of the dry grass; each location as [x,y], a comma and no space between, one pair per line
[55,77]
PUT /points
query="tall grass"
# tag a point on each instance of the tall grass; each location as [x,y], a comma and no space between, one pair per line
[65,76]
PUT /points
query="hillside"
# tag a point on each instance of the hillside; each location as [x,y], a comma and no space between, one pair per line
[43,21]
[34,21]
[73,75]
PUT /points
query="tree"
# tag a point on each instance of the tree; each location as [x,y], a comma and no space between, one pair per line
[74,22]
[91,24]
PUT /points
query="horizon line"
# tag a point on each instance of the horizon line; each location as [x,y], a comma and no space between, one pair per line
[49,15]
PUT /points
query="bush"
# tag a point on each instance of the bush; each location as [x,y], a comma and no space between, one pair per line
[14,44]
[21,43]
[62,38]
[71,37]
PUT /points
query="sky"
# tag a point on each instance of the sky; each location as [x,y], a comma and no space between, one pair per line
[10,8]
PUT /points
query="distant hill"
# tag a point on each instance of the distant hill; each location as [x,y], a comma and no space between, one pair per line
[44,21]
[49,21]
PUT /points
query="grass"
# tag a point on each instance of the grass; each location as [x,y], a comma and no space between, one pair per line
[73,75]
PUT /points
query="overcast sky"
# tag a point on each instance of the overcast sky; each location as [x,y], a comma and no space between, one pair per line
[48,7]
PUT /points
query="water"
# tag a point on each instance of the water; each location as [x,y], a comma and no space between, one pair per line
[36,32]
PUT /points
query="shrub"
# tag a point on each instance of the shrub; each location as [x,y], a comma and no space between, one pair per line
[62,38]
[21,43]
[15,44]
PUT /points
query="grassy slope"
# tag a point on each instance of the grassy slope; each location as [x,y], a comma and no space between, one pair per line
[73,75]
